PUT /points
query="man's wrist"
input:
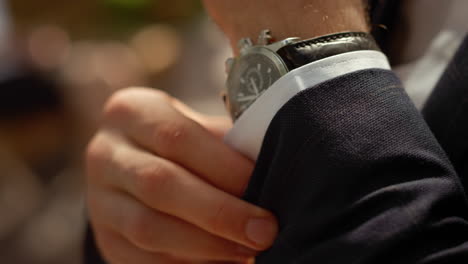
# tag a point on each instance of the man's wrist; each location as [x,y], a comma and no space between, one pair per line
[292,18]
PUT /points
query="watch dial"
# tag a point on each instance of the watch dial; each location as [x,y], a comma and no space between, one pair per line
[250,77]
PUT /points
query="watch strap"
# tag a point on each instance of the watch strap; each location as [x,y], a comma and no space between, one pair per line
[304,52]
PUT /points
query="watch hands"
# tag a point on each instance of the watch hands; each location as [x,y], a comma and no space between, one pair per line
[247,98]
[254,85]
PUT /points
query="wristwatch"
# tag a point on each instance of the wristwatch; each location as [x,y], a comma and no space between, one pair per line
[259,66]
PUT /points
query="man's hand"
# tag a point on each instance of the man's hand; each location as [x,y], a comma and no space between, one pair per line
[164,188]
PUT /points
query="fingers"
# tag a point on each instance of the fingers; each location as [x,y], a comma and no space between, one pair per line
[151,121]
[161,179]
[157,232]
[170,189]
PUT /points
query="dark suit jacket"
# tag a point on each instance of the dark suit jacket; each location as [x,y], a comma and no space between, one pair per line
[355,175]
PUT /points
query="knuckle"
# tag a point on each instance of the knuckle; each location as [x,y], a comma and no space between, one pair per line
[169,135]
[96,149]
[97,153]
[161,96]
[125,103]
[151,181]
[120,103]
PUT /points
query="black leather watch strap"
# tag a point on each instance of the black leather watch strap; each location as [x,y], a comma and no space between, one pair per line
[307,51]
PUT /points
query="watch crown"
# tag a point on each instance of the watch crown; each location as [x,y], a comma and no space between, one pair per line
[265,37]
[244,43]
[228,64]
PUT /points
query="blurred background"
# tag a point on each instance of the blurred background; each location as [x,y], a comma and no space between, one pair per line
[59,61]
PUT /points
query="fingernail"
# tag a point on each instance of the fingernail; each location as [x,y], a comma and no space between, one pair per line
[261,231]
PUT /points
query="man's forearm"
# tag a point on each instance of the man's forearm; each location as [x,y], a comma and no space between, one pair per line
[292,18]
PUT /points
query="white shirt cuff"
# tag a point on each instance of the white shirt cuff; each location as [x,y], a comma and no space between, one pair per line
[248,131]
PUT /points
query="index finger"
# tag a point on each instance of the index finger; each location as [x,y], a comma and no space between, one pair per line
[151,120]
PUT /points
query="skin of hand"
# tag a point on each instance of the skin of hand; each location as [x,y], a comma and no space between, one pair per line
[164,188]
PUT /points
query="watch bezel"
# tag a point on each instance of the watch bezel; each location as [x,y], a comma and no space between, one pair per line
[254,50]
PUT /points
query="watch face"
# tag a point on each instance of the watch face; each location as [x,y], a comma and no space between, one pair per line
[250,76]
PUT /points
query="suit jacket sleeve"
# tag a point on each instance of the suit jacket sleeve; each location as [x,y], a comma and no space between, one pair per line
[354,175]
